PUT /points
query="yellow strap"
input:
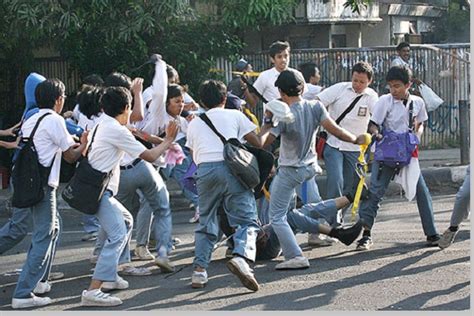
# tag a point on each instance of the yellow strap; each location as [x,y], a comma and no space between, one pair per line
[253,118]
[248,73]
[266,193]
[363,163]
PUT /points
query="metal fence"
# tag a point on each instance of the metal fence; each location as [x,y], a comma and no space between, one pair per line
[445,68]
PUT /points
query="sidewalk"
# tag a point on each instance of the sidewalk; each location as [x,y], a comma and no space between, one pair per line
[441,169]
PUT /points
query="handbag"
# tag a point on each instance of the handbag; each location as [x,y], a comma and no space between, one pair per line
[395,149]
[242,163]
[87,185]
[323,135]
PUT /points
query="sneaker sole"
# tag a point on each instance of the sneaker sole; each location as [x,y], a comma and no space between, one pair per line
[55,276]
[165,268]
[142,259]
[292,268]
[363,248]
[94,303]
[198,285]
[249,283]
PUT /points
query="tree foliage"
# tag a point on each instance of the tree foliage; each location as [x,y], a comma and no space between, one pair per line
[357,5]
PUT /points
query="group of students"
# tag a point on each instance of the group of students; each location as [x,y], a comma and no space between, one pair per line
[142,135]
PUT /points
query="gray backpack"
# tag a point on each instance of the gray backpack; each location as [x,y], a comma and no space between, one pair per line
[242,163]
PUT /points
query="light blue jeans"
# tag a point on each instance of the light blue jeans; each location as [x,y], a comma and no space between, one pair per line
[90,224]
[307,218]
[340,171]
[281,193]
[46,229]
[217,186]
[461,205]
[379,180]
[116,223]
[13,232]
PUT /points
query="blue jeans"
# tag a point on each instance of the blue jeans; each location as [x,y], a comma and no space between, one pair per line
[15,229]
[461,205]
[177,172]
[340,171]
[281,192]
[46,229]
[379,180]
[116,223]
[90,223]
[308,191]
[217,186]
[306,219]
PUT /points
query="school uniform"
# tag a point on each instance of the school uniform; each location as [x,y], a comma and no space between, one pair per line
[50,140]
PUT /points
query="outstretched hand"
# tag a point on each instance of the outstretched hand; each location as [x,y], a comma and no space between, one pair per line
[171,130]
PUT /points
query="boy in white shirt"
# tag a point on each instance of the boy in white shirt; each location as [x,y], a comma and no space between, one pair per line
[391,112]
[51,140]
[311,76]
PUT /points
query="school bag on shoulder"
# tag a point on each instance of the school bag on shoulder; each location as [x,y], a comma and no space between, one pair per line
[395,149]
[28,175]
[87,185]
[242,163]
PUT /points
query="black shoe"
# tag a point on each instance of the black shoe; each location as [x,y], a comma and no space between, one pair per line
[347,235]
[432,241]
[364,243]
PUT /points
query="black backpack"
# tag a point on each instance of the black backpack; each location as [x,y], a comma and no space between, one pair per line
[28,175]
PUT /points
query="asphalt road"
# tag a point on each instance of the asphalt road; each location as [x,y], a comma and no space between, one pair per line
[398,273]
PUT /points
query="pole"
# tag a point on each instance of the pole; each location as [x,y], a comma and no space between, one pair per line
[464,130]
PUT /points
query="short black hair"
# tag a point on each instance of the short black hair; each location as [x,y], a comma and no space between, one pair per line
[308,70]
[277,47]
[399,73]
[402,45]
[48,91]
[118,79]
[290,82]
[212,93]
[89,100]
[363,68]
[93,80]
[115,100]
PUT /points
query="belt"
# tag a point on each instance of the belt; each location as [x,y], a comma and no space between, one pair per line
[131,165]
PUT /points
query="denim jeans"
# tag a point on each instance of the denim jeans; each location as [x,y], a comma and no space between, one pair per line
[177,172]
[340,170]
[379,180]
[281,192]
[217,186]
[90,223]
[307,218]
[461,205]
[308,191]
[13,232]
[116,223]
[46,229]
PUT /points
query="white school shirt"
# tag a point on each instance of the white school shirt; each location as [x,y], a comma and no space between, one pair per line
[393,115]
[205,144]
[111,142]
[312,92]
[84,122]
[398,61]
[337,99]
[265,84]
[50,140]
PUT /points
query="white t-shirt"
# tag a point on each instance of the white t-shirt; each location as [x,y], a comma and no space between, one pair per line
[205,144]
[398,61]
[312,91]
[82,120]
[265,84]
[337,99]
[393,115]
[111,142]
[51,139]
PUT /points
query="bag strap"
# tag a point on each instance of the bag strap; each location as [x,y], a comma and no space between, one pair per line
[410,115]
[349,108]
[30,138]
[92,140]
[206,120]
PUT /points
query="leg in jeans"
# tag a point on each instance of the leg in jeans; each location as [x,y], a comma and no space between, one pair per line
[15,229]
[379,180]
[334,162]
[143,222]
[111,218]
[324,209]
[308,191]
[212,189]
[90,224]
[425,207]
[461,205]
[46,227]
[350,160]
[283,188]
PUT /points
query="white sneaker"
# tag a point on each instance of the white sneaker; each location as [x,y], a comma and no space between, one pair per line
[89,236]
[98,298]
[241,269]
[199,279]
[294,263]
[320,240]
[141,271]
[42,287]
[142,254]
[447,238]
[34,301]
[118,284]
[164,264]
[195,217]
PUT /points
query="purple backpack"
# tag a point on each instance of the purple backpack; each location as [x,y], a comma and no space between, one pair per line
[188,180]
[395,149]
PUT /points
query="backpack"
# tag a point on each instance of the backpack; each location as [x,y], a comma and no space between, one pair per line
[28,175]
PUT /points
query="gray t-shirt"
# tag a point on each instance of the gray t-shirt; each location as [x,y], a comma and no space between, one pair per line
[298,138]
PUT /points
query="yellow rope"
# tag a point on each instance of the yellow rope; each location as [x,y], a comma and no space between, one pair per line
[253,118]
[361,170]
